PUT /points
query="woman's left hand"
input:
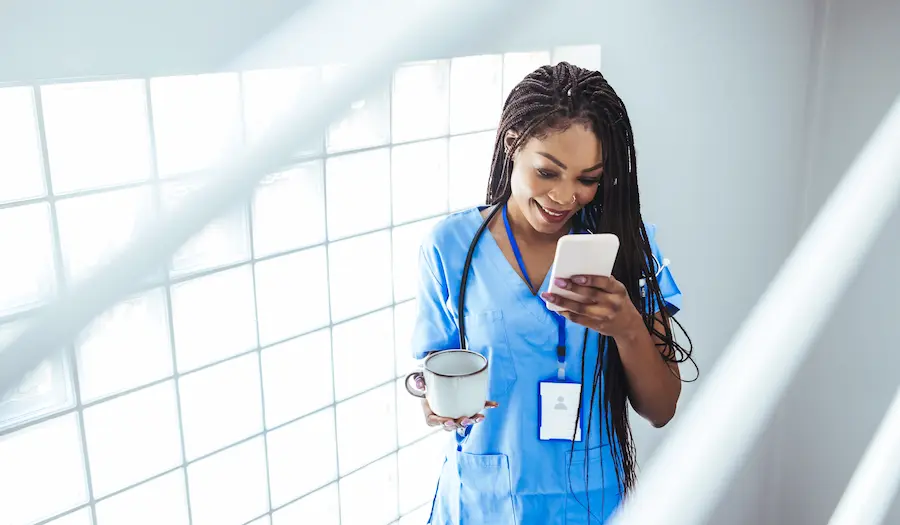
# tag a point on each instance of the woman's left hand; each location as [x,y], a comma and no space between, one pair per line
[603,304]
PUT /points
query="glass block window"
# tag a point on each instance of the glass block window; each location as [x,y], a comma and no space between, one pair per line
[256,378]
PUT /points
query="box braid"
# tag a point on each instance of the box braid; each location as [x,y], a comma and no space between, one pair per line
[551,99]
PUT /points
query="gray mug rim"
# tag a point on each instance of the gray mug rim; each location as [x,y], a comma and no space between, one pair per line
[433,354]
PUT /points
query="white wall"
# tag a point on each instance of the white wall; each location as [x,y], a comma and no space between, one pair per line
[717,93]
[841,393]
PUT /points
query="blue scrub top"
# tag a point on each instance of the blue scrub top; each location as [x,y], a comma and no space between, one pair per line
[502,473]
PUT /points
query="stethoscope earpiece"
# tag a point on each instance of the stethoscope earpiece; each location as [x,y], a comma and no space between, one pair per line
[642,282]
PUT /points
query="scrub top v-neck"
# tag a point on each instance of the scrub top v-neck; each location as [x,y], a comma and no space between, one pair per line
[502,472]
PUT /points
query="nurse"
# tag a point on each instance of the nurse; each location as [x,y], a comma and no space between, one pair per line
[554,445]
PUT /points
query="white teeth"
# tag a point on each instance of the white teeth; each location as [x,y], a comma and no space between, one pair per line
[552,213]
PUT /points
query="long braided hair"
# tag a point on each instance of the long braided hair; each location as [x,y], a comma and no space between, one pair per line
[551,99]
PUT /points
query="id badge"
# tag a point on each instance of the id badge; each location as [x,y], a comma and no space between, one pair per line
[559,411]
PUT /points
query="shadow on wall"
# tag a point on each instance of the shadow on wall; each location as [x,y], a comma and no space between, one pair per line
[838,399]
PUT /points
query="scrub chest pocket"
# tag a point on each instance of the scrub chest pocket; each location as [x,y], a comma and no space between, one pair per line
[485,495]
[475,490]
[486,334]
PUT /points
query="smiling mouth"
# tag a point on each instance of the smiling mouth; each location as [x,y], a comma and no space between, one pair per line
[551,214]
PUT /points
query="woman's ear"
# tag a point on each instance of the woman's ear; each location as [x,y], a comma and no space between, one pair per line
[509,140]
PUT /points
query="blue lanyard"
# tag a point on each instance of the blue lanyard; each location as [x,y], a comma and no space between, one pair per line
[560,320]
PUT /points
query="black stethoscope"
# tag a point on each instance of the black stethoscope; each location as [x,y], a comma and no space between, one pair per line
[461,303]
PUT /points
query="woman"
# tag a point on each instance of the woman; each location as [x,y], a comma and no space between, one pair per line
[564,161]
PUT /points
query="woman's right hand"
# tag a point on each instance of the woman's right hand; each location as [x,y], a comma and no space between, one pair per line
[448,424]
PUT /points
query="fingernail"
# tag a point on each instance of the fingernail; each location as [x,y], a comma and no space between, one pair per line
[420,383]
[479,419]
[449,424]
[466,422]
[562,283]
[580,279]
[550,298]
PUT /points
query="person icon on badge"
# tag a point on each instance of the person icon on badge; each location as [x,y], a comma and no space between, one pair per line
[560,403]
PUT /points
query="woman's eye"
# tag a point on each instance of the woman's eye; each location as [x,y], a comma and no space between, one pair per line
[590,182]
[546,174]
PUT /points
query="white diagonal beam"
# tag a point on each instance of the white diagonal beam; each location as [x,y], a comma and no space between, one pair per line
[868,497]
[388,33]
[708,442]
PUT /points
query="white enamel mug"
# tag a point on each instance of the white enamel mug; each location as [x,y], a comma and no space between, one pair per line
[456,383]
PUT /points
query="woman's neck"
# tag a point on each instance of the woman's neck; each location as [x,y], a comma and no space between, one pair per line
[525,232]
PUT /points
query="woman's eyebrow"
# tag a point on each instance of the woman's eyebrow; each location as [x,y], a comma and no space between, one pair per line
[559,163]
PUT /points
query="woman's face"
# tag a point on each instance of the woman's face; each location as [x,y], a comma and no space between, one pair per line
[556,176]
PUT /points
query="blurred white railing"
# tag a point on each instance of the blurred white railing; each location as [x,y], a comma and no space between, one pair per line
[874,485]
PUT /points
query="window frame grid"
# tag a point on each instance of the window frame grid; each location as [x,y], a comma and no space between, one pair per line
[259,363]
[61,282]
[273,509]
[156,182]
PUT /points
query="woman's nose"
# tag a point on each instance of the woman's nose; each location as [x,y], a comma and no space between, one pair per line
[558,198]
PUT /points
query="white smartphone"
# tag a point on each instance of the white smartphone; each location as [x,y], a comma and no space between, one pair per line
[582,254]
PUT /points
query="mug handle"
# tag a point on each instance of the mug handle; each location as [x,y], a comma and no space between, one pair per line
[412,390]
